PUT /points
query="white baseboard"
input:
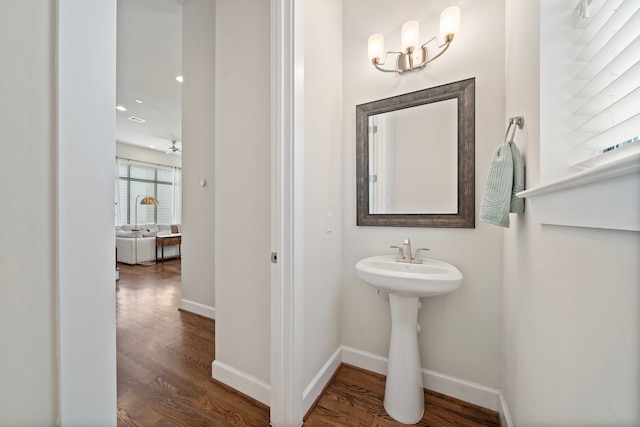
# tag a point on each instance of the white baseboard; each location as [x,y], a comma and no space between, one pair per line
[244,383]
[365,360]
[505,417]
[197,308]
[314,389]
[478,394]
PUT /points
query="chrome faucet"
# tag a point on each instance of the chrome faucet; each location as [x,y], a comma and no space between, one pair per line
[407,243]
[401,257]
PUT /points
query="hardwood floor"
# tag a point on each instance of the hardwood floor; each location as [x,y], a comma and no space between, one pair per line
[164,370]
[164,358]
[354,398]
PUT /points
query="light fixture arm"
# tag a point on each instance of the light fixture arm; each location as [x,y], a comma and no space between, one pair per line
[443,48]
[377,63]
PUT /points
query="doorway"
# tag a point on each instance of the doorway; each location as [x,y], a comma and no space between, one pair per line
[88,396]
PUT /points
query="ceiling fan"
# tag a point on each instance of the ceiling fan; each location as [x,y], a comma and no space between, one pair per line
[173,148]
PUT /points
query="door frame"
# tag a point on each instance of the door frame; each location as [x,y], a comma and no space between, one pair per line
[287,304]
[81,25]
[84,74]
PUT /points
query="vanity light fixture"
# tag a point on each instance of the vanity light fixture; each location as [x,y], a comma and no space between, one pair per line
[412,55]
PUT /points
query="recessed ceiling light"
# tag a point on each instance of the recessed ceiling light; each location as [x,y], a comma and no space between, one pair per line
[139,101]
[180,79]
[152,146]
[137,119]
[121,108]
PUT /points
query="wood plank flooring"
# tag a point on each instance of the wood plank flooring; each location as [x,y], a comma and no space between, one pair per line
[354,398]
[164,370]
[164,358]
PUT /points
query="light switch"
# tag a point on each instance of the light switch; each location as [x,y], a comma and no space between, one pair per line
[329,222]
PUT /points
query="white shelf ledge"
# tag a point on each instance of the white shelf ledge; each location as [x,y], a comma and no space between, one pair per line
[606,196]
[610,156]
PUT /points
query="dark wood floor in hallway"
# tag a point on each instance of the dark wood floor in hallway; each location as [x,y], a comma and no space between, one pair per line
[164,370]
[164,358]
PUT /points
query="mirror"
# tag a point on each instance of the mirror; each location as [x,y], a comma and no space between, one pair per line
[416,158]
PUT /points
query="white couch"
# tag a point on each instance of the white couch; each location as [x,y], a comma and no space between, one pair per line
[125,242]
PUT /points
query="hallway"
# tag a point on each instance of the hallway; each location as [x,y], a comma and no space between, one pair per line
[164,358]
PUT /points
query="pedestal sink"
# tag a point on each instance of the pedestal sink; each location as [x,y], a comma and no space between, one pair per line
[406,283]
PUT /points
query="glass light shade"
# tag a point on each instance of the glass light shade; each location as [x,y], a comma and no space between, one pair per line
[376,47]
[449,22]
[410,35]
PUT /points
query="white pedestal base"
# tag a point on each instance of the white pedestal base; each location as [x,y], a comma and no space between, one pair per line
[404,392]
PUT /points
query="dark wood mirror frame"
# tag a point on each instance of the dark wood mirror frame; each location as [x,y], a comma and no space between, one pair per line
[464,92]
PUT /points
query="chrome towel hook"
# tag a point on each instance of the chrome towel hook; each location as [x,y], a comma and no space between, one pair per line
[517,121]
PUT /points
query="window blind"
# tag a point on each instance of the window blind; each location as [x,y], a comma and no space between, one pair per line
[139,178]
[607,99]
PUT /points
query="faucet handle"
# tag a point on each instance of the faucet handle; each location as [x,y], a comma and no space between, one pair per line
[417,258]
[400,255]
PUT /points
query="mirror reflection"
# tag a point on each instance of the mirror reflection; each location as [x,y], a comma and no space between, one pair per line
[416,158]
[413,160]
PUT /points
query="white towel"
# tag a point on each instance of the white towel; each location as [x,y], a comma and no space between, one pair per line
[505,179]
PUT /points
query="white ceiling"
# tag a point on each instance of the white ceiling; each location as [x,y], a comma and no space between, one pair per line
[149,44]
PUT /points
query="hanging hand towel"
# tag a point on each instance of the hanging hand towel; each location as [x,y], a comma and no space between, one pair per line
[496,201]
[517,203]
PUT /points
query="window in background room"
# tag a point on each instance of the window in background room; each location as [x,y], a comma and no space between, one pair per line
[161,182]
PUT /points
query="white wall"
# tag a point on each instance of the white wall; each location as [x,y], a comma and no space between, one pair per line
[571,296]
[322,182]
[28,365]
[55,281]
[142,154]
[461,332]
[243,187]
[198,157]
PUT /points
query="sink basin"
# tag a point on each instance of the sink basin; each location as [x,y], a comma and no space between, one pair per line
[406,284]
[432,277]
